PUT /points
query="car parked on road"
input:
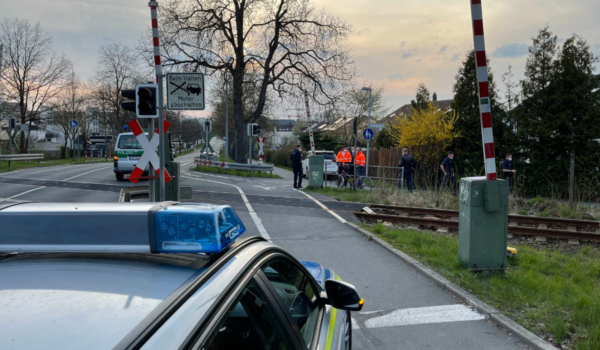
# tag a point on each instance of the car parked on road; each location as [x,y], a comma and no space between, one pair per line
[127,153]
[159,276]
[329,161]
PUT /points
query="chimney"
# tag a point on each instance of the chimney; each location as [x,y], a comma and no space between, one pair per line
[434,97]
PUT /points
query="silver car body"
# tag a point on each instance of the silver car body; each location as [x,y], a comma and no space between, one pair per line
[103,301]
[330,168]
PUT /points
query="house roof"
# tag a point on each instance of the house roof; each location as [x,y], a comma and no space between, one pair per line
[406,110]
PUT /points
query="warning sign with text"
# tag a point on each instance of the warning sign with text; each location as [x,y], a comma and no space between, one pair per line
[185,91]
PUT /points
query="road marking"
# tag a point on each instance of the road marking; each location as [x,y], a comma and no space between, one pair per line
[22,193]
[255,218]
[72,177]
[425,315]
[265,188]
[334,214]
[184,164]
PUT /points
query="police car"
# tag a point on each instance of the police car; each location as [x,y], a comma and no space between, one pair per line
[127,154]
[159,276]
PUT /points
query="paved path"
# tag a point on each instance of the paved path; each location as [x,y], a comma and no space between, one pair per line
[403,310]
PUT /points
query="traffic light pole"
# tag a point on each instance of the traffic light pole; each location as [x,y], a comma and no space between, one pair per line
[159,80]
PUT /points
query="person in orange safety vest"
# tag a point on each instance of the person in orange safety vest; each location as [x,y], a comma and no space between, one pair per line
[343,157]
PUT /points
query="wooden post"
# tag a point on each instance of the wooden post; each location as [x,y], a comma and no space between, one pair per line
[572,182]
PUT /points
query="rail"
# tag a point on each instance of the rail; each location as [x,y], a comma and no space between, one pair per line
[18,157]
[586,230]
[235,166]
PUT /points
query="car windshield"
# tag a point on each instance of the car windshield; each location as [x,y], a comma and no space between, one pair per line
[128,142]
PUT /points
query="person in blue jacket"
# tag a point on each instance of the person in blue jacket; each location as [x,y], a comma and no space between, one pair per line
[296,158]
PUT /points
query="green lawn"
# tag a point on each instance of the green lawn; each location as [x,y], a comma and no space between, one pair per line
[555,295]
[17,165]
[222,158]
[204,169]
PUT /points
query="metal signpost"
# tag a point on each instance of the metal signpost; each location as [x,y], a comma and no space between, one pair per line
[73,123]
[185,91]
[207,129]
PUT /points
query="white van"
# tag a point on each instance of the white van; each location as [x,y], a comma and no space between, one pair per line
[127,153]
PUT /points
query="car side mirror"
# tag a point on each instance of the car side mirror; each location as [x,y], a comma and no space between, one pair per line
[343,296]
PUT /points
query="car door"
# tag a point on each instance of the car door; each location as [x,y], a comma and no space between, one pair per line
[319,325]
[252,321]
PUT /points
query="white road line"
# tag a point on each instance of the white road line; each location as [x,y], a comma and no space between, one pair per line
[334,214]
[424,315]
[184,164]
[72,177]
[255,218]
[22,193]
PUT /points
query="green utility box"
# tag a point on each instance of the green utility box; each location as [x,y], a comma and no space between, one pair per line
[483,223]
[315,171]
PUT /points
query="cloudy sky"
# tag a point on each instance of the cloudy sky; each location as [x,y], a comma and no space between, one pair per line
[397,43]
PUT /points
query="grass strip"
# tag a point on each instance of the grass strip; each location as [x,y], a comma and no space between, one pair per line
[553,294]
[21,164]
[215,170]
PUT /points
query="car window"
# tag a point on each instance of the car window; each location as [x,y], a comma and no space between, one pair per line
[328,156]
[250,324]
[297,294]
[128,142]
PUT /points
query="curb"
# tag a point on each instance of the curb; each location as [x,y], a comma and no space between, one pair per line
[526,336]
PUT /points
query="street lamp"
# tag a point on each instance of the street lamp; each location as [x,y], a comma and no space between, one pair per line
[368,125]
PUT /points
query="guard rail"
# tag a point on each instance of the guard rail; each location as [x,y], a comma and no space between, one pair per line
[235,166]
[25,156]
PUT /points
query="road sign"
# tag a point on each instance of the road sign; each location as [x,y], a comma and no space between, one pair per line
[73,123]
[185,91]
[368,134]
[149,155]
[377,126]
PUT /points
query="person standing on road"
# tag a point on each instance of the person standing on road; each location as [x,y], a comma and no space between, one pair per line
[508,171]
[407,163]
[449,169]
[296,157]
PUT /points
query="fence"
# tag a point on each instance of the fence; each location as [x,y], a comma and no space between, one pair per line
[97,155]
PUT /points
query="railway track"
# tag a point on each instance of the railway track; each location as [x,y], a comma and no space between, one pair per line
[583,230]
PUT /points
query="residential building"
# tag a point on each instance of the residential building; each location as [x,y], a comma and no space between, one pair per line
[283,132]
[406,110]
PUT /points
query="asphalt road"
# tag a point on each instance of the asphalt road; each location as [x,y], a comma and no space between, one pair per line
[403,310]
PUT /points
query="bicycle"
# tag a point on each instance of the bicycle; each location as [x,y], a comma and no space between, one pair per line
[339,180]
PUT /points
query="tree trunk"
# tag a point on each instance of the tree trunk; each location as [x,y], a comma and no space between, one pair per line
[241,140]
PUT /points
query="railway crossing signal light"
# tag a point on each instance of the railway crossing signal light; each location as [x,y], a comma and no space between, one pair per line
[146,100]
[255,129]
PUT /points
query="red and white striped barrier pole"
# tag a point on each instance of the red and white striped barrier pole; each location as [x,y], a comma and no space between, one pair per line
[484,91]
[310,131]
[159,78]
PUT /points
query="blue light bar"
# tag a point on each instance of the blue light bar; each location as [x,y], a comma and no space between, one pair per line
[167,227]
[196,228]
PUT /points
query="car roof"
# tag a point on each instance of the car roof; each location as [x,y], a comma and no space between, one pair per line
[84,301]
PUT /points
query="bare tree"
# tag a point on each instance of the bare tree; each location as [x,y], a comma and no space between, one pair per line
[286,45]
[33,73]
[117,70]
[68,106]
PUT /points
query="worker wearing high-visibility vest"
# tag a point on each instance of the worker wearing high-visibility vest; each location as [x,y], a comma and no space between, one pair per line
[343,157]
[360,162]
